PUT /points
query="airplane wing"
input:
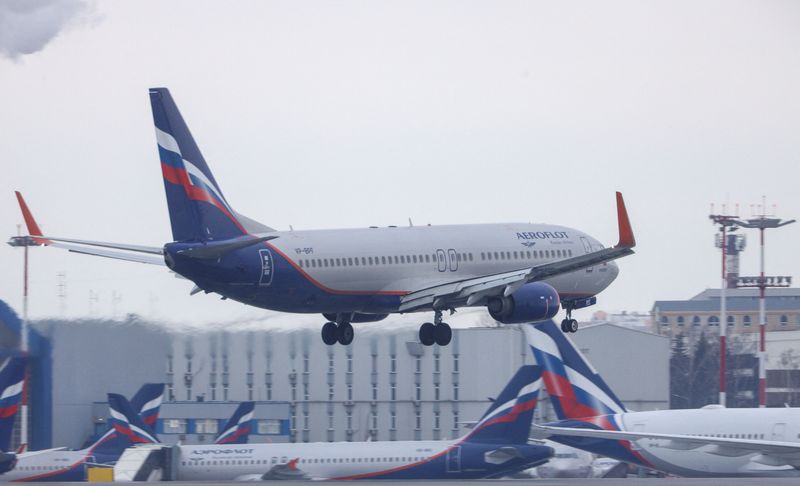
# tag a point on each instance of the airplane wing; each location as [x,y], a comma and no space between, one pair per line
[770,452]
[477,289]
[134,253]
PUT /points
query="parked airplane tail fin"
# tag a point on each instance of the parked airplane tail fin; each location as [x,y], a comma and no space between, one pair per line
[12,384]
[508,420]
[127,429]
[198,210]
[147,403]
[575,388]
[238,428]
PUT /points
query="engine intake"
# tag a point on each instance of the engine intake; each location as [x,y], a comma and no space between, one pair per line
[533,302]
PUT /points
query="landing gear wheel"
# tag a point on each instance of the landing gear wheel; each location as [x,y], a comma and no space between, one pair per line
[427,334]
[564,327]
[573,325]
[329,331]
[345,333]
[442,334]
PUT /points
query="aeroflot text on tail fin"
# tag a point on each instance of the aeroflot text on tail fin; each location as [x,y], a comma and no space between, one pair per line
[519,272]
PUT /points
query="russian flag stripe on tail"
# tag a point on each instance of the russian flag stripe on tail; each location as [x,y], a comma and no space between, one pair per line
[508,420]
[197,208]
[238,428]
[12,384]
[147,403]
[575,387]
[126,422]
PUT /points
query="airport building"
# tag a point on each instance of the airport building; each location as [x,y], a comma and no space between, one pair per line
[385,386]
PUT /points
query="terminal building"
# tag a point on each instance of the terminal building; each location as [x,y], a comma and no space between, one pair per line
[384,386]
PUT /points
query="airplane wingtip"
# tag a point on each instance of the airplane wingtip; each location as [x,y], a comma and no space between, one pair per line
[626,238]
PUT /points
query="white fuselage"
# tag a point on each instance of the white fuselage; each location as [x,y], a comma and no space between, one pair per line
[317,460]
[396,261]
[768,424]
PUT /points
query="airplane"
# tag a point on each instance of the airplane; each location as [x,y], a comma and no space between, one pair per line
[12,383]
[520,272]
[712,441]
[495,447]
[147,403]
[67,465]
[237,429]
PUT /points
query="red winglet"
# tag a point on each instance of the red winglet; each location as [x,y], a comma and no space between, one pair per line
[33,227]
[626,239]
[293,463]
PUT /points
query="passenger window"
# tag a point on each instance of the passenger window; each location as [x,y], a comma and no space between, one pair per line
[515,256]
[415,258]
[363,260]
[496,256]
[383,260]
[427,258]
[370,260]
[350,261]
[325,261]
[508,255]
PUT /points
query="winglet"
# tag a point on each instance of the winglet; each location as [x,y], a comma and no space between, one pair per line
[626,239]
[33,227]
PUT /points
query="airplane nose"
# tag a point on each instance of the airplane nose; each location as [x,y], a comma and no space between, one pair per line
[613,271]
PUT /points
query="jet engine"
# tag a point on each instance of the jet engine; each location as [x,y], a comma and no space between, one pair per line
[533,302]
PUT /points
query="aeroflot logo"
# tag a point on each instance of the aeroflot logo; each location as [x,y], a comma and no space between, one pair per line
[542,235]
[203,452]
[266,267]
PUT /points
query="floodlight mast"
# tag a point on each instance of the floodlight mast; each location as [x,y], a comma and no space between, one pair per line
[763,222]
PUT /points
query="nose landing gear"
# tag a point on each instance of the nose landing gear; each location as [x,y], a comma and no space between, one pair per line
[569,324]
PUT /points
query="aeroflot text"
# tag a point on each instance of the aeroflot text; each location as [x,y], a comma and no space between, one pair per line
[541,235]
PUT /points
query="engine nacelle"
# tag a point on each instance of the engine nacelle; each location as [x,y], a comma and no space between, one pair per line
[533,302]
[358,317]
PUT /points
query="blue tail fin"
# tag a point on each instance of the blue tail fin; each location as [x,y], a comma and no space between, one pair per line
[127,429]
[147,403]
[238,428]
[576,390]
[508,420]
[197,209]
[12,383]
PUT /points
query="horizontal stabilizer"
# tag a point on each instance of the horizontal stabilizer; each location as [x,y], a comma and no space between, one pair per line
[213,251]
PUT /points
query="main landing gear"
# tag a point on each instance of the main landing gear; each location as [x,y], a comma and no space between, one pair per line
[569,324]
[341,332]
[437,332]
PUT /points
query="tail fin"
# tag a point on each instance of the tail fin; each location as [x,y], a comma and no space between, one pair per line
[197,209]
[238,428]
[127,429]
[575,388]
[147,403]
[508,420]
[12,383]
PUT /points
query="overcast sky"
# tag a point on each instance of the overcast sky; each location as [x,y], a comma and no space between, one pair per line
[350,114]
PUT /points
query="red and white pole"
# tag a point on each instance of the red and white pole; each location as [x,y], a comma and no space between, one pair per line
[723,319]
[762,328]
[23,412]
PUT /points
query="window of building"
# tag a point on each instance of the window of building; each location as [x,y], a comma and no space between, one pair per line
[696,321]
[665,320]
[268,426]
[746,321]
[680,321]
[174,426]
[731,321]
[713,321]
[206,426]
[784,320]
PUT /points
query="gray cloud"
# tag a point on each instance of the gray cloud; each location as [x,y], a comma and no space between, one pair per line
[27,26]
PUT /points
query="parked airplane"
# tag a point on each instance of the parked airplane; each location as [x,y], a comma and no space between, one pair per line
[520,272]
[66,465]
[147,403]
[12,383]
[708,442]
[496,446]
[239,426]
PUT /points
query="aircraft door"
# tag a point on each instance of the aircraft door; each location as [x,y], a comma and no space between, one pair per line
[453,257]
[587,248]
[441,259]
[454,459]
[778,431]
